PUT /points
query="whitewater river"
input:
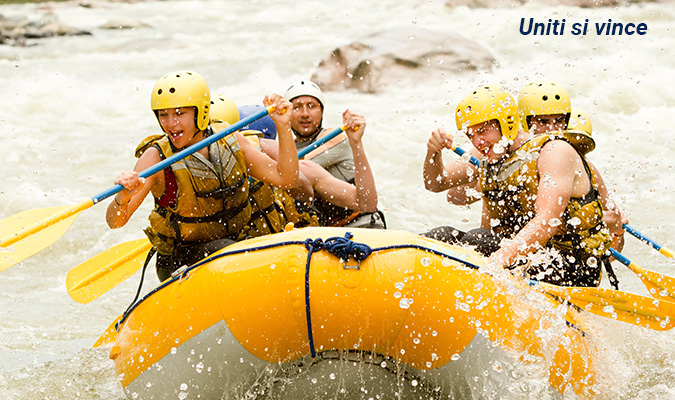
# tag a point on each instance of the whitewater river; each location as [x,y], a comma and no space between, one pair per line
[73,109]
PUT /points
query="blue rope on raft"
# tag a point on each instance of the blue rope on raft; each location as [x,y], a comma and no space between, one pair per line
[342,247]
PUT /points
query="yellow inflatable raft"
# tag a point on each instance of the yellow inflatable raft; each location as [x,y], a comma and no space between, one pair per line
[284,316]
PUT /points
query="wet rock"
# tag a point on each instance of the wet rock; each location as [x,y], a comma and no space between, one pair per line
[404,54]
[124,24]
[16,30]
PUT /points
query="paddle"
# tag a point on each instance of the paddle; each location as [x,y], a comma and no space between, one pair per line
[631,308]
[321,141]
[659,285]
[96,276]
[460,152]
[663,250]
[99,274]
[26,233]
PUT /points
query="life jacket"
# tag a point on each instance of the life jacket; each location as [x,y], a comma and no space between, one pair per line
[510,190]
[272,208]
[210,200]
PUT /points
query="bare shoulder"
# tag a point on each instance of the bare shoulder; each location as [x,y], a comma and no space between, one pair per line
[149,158]
[558,152]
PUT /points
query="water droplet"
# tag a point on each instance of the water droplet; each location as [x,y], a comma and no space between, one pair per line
[383,364]
[554,222]
[608,309]
[414,382]
[397,295]
[332,376]
[446,262]
[199,367]
[416,341]
[497,366]
[399,285]
[404,304]
[426,261]
[183,386]
[454,357]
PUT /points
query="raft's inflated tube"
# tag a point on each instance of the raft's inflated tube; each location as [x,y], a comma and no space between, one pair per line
[412,306]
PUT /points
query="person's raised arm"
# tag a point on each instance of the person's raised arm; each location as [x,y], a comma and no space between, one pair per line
[612,215]
[362,196]
[283,172]
[558,167]
[364,182]
[438,176]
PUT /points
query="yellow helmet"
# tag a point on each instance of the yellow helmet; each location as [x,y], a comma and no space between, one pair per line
[223,109]
[580,121]
[485,104]
[183,89]
[579,131]
[542,98]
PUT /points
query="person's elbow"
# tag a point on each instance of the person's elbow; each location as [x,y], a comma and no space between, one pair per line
[369,204]
[433,185]
[289,181]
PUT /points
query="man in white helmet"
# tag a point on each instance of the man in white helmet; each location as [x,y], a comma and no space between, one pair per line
[337,156]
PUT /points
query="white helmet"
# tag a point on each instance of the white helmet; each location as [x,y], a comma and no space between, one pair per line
[304,88]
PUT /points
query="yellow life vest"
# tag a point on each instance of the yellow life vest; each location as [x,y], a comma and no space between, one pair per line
[510,191]
[272,208]
[211,200]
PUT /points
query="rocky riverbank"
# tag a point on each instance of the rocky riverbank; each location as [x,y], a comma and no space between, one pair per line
[28,30]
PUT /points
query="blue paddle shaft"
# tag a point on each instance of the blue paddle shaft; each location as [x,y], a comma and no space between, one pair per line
[184,153]
[642,237]
[460,152]
[319,142]
[623,260]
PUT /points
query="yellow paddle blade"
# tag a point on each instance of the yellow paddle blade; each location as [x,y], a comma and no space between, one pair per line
[110,334]
[660,286]
[99,274]
[631,308]
[28,232]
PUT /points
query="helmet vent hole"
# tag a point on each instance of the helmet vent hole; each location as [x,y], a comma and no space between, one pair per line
[557,97]
[160,91]
[545,98]
[172,90]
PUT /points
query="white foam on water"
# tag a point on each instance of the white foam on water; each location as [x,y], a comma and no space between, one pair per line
[74,109]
